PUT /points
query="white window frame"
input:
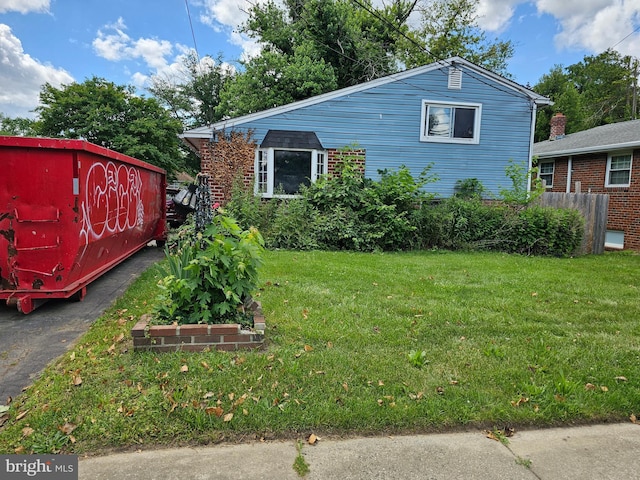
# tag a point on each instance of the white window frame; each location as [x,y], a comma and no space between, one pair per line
[610,157]
[546,174]
[614,239]
[424,122]
[265,175]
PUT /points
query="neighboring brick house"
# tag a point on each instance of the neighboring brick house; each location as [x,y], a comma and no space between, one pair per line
[464,121]
[603,159]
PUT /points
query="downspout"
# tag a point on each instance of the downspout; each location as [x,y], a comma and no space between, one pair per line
[534,110]
[569,168]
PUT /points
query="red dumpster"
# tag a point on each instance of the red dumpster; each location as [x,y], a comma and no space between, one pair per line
[69,211]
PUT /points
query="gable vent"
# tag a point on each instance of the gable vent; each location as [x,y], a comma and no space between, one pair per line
[455,78]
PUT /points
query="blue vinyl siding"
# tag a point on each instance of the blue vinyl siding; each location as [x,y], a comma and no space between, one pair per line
[386,120]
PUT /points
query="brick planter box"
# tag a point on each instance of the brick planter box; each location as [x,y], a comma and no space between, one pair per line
[196,338]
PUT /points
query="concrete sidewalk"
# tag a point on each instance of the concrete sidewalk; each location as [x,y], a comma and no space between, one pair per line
[581,453]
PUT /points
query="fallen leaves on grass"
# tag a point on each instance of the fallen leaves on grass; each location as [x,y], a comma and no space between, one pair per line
[520,401]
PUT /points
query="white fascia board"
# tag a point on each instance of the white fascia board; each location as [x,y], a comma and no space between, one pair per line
[585,150]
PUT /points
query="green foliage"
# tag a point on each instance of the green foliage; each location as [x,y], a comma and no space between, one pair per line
[192,95]
[518,193]
[469,188]
[293,225]
[355,45]
[417,358]
[470,224]
[210,274]
[18,126]
[546,231]
[273,79]
[450,28]
[596,91]
[350,212]
[300,465]
[111,116]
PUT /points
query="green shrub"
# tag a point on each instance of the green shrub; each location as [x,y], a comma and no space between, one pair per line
[210,274]
[291,226]
[547,231]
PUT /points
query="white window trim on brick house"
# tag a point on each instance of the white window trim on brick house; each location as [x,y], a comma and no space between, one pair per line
[547,174]
[448,133]
[610,158]
[266,183]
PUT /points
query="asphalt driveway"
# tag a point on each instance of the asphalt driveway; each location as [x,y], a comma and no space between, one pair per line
[29,342]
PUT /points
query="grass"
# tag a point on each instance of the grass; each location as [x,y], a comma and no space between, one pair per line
[509,340]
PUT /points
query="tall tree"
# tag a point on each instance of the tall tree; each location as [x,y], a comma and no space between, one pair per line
[111,116]
[274,79]
[450,28]
[192,95]
[598,90]
[17,126]
[604,82]
[356,39]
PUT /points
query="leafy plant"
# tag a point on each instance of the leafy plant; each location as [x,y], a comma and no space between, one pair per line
[520,178]
[210,274]
[417,358]
[300,465]
[469,188]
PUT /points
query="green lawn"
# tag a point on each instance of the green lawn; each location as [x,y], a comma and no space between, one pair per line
[507,340]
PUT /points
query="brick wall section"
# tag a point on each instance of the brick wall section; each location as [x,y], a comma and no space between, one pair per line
[234,155]
[230,157]
[197,338]
[334,157]
[624,203]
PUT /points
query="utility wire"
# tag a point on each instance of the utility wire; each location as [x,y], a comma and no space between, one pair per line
[193,35]
[443,61]
[637,29]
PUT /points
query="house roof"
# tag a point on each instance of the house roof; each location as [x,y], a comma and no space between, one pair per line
[509,85]
[614,136]
[291,139]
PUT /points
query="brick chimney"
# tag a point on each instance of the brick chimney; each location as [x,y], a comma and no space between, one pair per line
[558,122]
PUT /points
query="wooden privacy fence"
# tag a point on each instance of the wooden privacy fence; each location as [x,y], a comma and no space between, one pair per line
[593,206]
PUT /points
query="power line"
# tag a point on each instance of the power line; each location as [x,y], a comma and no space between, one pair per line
[193,35]
[443,61]
[637,29]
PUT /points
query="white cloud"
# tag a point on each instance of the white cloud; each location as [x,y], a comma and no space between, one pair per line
[22,76]
[595,25]
[24,6]
[591,25]
[113,43]
[495,15]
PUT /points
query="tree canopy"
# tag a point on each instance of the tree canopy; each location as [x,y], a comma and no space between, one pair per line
[598,90]
[17,126]
[111,116]
[450,28]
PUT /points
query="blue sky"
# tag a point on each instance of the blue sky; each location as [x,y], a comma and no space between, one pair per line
[128,41]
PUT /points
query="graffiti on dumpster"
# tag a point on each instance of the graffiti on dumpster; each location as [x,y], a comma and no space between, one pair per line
[113,201]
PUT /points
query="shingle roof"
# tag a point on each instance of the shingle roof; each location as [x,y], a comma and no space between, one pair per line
[288,139]
[614,136]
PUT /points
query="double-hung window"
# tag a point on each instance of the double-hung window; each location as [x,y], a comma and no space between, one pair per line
[619,170]
[546,173]
[450,122]
[283,165]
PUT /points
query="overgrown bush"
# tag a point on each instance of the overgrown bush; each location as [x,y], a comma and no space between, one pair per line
[350,212]
[546,231]
[210,274]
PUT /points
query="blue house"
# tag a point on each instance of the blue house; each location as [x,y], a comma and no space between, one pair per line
[465,121]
